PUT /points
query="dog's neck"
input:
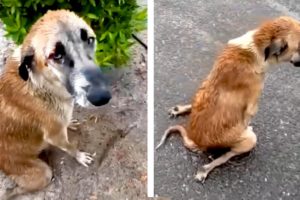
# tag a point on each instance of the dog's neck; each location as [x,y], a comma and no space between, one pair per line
[53,94]
[246,41]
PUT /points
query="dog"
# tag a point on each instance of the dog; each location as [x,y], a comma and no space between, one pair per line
[228,98]
[53,69]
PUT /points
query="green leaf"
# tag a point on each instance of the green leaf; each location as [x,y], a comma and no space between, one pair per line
[112,36]
[122,36]
[23,31]
[8,22]
[107,64]
[93,3]
[12,29]
[101,47]
[103,36]
[92,16]
[18,19]
[107,58]
[15,37]
[12,9]
[28,4]
[142,15]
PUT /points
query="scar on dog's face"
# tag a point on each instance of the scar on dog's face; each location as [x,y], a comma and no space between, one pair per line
[68,56]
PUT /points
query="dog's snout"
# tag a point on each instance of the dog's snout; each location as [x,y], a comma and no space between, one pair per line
[94,75]
[296,64]
[95,87]
[295,60]
[98,97]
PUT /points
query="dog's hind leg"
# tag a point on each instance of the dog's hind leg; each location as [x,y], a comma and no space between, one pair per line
[247,142]
[180,110]
[30,176]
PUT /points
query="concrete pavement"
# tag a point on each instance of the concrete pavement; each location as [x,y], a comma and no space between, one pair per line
[188,36]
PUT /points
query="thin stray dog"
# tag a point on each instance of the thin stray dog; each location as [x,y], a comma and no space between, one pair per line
[226,101]
[43,78]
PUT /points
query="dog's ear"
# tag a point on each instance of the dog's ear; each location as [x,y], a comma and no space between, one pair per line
[26,65]
[275,48]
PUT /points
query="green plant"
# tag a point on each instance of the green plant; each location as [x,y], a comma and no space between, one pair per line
[114,21]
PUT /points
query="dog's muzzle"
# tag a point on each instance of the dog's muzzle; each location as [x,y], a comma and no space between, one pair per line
[296,64]
[97,92]
[295,60]
[98,97]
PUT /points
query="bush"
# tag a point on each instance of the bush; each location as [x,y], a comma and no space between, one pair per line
[114,22]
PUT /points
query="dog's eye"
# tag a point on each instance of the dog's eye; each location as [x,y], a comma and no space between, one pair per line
[91,40]
[59,52]
[57,56]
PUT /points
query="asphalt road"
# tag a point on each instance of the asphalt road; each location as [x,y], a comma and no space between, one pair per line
[188,36]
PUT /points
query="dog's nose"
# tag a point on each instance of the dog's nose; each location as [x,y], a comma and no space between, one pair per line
[296,64]
[98,97]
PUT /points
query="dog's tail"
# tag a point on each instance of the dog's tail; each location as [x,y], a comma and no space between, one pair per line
[172,129]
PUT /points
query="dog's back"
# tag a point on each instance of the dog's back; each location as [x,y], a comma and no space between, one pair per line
[220,102]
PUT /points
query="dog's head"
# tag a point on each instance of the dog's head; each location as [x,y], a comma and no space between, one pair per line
[279,40]
[58,54]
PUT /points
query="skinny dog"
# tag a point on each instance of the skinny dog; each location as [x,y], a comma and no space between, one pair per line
[53,69]
[227,100]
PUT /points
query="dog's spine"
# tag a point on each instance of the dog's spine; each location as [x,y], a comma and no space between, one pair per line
[172,129]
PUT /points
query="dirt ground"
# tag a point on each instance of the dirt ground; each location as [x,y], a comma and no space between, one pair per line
[116,132]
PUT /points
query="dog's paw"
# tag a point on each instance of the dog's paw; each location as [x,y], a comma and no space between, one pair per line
[202,173]
[74,125]
[201,176]
[84,158]
[174,112]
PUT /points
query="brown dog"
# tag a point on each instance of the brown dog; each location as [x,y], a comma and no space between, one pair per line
[41,81]
[228,98]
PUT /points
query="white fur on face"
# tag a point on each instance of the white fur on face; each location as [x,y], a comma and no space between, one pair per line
[58,74]
[17,53]
[79,82]
[80,52]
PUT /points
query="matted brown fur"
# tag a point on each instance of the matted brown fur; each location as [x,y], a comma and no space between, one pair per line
[220,103]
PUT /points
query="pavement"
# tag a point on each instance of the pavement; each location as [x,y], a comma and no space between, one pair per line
[188,36]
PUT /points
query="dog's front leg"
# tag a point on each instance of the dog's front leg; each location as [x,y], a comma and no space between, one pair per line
[57,136]
[74,125]
[180,110]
